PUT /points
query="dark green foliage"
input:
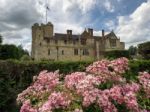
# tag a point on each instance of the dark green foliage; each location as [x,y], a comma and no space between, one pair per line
[120,107]
[8,92]
[132,50]
[144,50]
[116,54]
[1,39]
[143,101]
[16,76]
[92,108]
[106,85]
[136,67]
[11,52]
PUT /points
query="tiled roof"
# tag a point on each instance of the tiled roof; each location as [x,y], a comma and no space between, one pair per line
[64,36]
[111,35]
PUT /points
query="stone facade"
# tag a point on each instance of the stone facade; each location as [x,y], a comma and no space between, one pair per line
[47,45]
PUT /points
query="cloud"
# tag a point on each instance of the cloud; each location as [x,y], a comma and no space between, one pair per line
[17,17]
[108,6]
[135,28]
[110,24]
[18,14]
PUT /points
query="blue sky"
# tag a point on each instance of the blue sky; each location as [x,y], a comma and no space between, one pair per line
[129,19]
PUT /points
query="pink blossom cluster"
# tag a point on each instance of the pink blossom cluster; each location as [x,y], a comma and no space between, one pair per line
[81,82]
[45,82]
[119,65]
[27,107]
[144,79]
[126,94]
[102,67]
[82,87]
[109,70]
[99,67]
[55,101]
[118,93]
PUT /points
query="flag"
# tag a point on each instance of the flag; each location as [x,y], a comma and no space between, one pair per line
[47,8]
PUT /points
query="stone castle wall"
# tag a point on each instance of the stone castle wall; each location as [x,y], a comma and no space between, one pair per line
[45,46]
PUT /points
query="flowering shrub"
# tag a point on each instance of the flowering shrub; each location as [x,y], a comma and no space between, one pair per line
[80,90]
[144,79]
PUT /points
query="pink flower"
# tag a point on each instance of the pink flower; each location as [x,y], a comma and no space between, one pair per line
[144,80]
[55,100]
[46,81]
[26,107]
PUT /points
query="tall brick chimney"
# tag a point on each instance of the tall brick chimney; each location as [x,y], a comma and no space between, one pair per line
[90,31]
[103,33]
[69,32]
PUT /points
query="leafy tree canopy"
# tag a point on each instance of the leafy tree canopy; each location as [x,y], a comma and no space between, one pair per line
[12,52]
[132,50]
[144,49]
[1,39]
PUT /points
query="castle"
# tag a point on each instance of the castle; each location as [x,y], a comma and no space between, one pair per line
[47,45]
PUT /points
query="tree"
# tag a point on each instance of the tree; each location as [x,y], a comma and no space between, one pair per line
[132,50]
[144,50]
[116,54]
[1,39]
[11,52]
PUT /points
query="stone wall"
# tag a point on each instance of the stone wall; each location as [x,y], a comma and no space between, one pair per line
[46,47]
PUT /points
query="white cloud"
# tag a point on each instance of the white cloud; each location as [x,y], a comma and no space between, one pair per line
[110,25]
[135,28]
[16,20]
[108,6]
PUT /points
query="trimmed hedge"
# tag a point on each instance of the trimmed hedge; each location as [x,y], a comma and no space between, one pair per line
[15,76]
[117,54]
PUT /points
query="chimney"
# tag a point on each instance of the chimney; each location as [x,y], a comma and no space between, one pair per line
[69,32]
[90,31]
[103,33]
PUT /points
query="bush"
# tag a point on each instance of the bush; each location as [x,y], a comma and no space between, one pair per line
[25,58]
[16,76]
[101,87]
[116,54]
[144,49]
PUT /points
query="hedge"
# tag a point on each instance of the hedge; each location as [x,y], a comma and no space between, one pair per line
[15,76]
[117,54]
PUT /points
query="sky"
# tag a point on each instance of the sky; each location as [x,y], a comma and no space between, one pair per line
[129,19]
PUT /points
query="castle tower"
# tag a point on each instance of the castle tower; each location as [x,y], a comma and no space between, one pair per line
[39,33]
[48,30]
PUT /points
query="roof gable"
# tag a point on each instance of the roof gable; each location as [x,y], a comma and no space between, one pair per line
[111,35]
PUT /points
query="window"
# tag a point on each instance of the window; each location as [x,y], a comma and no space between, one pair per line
[49,51]
[62,52]
[113,42]
[56,41]
[40,44]
[65,41]
[83,42]
[85,52]
[74,42]
[75,51]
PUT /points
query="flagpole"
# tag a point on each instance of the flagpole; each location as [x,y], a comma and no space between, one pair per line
[46,10]
[46,14]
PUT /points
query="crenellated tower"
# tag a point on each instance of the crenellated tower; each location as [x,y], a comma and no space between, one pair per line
[39,33]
